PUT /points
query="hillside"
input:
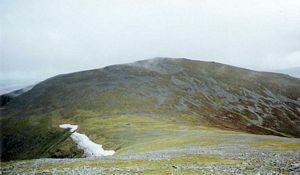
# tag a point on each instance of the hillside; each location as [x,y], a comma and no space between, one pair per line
[122,106]
[5,98]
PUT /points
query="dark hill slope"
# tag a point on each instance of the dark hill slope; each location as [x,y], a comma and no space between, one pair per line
[179,90]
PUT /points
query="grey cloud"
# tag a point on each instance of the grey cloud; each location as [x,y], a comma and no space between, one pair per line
[45,38]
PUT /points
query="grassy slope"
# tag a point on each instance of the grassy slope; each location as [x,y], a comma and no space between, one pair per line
[143,136]
[129,106]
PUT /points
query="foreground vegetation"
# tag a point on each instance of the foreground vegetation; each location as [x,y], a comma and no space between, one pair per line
[153,146]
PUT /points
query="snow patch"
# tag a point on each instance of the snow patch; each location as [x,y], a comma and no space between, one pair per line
[69,126]
[90,148]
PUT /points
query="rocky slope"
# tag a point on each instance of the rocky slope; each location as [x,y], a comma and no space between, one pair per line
[106,102]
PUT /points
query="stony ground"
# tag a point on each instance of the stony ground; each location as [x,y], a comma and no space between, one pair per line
[220,159]
[161,147]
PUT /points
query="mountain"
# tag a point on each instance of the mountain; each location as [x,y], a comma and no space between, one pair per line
[295,72]
[124,105]
[14,84]
[5,98]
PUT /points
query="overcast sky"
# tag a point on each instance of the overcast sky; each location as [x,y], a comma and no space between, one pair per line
[42,38]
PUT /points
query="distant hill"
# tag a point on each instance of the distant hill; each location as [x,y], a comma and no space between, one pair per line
[9,85]
[295,72]
[105,102]
[5,98]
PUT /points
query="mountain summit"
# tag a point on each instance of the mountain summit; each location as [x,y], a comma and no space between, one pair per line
[194,93]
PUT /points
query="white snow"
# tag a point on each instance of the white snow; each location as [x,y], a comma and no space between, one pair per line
[69,126]
[90,148]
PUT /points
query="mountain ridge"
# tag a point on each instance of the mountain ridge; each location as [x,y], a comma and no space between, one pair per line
[177,90]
